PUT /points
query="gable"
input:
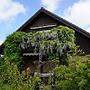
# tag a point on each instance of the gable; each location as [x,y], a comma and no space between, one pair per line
[46,20]
[43,20]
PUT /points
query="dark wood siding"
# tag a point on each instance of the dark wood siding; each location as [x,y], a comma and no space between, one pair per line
[83,42]
[43,20]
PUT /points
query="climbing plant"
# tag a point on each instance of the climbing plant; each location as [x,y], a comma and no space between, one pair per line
[12,51]
[53,44]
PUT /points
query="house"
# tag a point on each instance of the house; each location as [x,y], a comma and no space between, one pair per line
[45,20]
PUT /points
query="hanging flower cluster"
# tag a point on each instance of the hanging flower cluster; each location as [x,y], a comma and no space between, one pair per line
[58,42]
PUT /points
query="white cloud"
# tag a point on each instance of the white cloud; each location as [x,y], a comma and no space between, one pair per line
[51,5]
[9,9]
[79,14]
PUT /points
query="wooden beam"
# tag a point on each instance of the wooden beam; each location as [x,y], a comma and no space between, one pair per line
[46,74]
[31,54]
[47,26]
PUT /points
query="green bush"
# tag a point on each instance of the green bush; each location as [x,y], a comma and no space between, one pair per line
[12,79]
[12,51]
[77,78]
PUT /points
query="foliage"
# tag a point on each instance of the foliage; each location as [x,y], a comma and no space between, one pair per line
[36,81]
[73,73]
[1,63]
[53,44]
[75,76]
[12,79]
[12,51]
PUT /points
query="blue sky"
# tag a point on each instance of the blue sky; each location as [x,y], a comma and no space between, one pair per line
[13,13]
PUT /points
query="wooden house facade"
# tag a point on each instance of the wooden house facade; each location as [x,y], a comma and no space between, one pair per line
[45,20]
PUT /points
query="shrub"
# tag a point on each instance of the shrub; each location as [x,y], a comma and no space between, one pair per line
[68,78]
[12,51]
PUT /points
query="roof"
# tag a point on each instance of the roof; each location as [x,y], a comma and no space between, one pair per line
[57,18]
[67,23]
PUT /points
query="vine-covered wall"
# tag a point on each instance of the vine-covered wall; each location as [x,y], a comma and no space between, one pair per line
[55,44]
